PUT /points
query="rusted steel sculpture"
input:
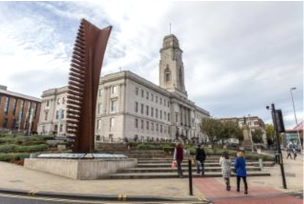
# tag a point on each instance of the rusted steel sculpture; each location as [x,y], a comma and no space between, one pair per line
[88,53]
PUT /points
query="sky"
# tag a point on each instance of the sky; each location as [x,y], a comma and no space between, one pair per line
[238,57]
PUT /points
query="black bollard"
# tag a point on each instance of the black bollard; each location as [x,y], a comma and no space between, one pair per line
[190,177]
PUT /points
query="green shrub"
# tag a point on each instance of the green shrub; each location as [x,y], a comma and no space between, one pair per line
[7,148]
[13,156]
[33,148]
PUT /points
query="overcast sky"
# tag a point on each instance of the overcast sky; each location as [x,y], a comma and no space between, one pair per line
[238,56]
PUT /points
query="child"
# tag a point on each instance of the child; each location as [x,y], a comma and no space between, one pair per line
[226,169]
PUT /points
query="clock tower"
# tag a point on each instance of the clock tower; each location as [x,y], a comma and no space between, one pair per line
[171,68]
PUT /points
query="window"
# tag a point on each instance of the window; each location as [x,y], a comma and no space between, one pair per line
[168,104]
[176,117]
[136,107]
[47,103]
[63,100]
[156,127]
[165,115]
[97,137]
[142,109]
[152,126]
[100,93]
[58,101]
[147,125]
[21,110]
[152,97]
[152,110]
[136,91]
[13,124]
[99,108]
[114,89]
[142,93]
[62,113]
[98,124]
[161,128]
[147,95]
[46,115]
[161,114]
[113,105]
[35,110]
[28,110]
[14,106]
[112,121]
[156,99]
[136,123]
[169,117]
[147,110]
[6,104]
[57,114]
[4,124]
[165,102]
[165,129]
[142,124]
[60,127]
[156,113]
[160,101]
[167,74]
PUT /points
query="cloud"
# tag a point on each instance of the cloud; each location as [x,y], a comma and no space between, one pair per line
[238,56]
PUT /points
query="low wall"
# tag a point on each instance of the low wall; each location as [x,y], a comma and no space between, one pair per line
[88,169]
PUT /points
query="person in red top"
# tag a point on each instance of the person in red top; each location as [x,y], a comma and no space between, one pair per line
[178,157]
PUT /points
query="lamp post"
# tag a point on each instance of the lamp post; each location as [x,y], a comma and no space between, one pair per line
[294,111]
[278,127]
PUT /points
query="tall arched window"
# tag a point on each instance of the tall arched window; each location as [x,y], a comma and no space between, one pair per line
[167,74]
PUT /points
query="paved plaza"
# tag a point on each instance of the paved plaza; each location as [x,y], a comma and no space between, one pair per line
[261,189]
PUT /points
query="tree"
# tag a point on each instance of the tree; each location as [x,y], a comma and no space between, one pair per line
[270,134]
[230,130]
[212,128]
[257,136]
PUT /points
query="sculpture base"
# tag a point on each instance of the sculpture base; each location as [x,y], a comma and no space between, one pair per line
[247,145]
[86,169]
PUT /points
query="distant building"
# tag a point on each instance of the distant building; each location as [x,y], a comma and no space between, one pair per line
[253,122]
[291,135]
[131,107]
[53,112]
[18,112]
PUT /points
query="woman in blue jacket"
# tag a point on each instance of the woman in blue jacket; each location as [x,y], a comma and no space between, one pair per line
[240,169]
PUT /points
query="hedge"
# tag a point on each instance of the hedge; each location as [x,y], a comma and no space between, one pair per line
[33,148]
[13,156]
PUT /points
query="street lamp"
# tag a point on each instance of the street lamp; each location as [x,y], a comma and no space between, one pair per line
[294,111]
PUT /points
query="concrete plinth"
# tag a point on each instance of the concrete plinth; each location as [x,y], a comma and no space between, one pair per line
[88,169]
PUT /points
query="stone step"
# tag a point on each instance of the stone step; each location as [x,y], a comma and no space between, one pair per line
[168,169]
[169,160]
[168,164]
[171,175]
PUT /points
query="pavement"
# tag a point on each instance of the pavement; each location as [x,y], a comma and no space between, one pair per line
[261,189]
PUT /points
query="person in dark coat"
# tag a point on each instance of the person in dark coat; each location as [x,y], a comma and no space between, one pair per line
[178,157]
[200,158]
[240,169]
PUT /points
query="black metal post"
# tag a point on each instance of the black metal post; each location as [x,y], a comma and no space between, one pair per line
[190,177]
[273,112]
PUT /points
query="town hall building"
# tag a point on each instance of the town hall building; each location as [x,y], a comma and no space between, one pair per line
[133,108]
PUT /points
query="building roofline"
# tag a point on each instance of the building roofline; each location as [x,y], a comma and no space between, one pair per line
[20,95]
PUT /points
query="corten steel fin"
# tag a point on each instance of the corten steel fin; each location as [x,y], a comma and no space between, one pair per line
[87,58]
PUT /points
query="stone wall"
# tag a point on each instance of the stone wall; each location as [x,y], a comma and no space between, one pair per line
[89,169]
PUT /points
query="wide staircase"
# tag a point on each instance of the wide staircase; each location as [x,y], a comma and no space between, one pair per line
[157,164]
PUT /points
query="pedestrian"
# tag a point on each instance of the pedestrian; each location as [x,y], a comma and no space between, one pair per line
[294,150]
[226,169]
[200,158]
[178,157]
[289,153]
[241,173]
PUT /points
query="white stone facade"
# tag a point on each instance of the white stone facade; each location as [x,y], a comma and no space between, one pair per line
[53,112]
[129,106]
